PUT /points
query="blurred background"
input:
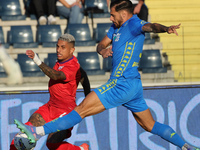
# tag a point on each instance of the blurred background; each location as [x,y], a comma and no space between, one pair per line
[169,69]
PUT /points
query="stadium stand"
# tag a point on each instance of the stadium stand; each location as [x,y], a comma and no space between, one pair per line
[11,10]
[82,34]
[148,39]
[101,30]
[47,35]
[2,40]
[151,62]
[2,71]
[90,63]
[96,9]
[107,64]
[21,37]
[28,67]
[183,50]
[51,59]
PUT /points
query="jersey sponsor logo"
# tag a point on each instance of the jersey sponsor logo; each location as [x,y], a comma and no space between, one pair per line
[172,135]
[60,67]
[116,37]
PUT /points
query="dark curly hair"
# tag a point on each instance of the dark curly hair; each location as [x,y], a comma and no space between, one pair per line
[122,5]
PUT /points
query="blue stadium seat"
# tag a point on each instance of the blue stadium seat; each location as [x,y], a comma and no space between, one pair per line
[2,41]
[147,35]
[82,34]
[21,37]
[107,64]
[151,62]
[2,71]
[97,8]
[148,39]
[101,30]
[48,35]
[28,67]
[51,59]
[89,61]
[11,10]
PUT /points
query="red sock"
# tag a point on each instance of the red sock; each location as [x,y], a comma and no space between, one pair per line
[62,146]
[12,146]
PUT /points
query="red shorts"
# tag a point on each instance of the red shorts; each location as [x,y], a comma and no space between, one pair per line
[50,113]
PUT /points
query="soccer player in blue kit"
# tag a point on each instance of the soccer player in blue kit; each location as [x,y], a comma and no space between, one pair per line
[124,87]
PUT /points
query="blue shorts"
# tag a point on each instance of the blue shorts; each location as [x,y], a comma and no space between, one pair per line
[122,91]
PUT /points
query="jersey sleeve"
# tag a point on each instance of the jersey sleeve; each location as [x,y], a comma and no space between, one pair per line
[136,25]
[110,32]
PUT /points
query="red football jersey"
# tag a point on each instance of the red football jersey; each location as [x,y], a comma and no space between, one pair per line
[63,92]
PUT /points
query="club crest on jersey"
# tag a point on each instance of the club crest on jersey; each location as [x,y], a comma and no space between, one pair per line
[60,67]
[116,37]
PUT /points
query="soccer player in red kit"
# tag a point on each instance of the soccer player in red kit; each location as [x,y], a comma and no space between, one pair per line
[64,79]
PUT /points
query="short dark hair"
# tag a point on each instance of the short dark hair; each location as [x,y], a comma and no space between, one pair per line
[122,5]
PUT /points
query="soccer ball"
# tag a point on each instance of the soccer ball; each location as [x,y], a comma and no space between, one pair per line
[21,142]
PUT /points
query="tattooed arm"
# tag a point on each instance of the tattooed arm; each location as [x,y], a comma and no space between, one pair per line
[158,28]
[51,73]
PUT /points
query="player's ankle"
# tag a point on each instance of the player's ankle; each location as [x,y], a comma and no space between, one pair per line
[188,147]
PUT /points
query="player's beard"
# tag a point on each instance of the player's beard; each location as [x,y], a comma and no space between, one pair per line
[118,23]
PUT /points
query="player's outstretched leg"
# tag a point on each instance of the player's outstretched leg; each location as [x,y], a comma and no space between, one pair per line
[30,131]
[187,147]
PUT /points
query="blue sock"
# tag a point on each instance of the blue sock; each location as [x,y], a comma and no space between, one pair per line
[168,134]
[62,123]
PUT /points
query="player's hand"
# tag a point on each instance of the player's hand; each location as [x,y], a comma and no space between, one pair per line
[107,52]
[30,54]
[172,29]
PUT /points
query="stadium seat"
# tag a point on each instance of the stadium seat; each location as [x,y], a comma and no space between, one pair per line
[89,61]
[2,41]
[51,59]
[107,64]
[151,62]
[47,35]
[96,9]
[11,10]
[148,39]
[21,37]
[101,30]
[28,67]
[2,71]
[147,35]
[82,34]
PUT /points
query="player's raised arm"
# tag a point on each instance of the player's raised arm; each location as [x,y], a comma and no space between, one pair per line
[159,28]
[51,73]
